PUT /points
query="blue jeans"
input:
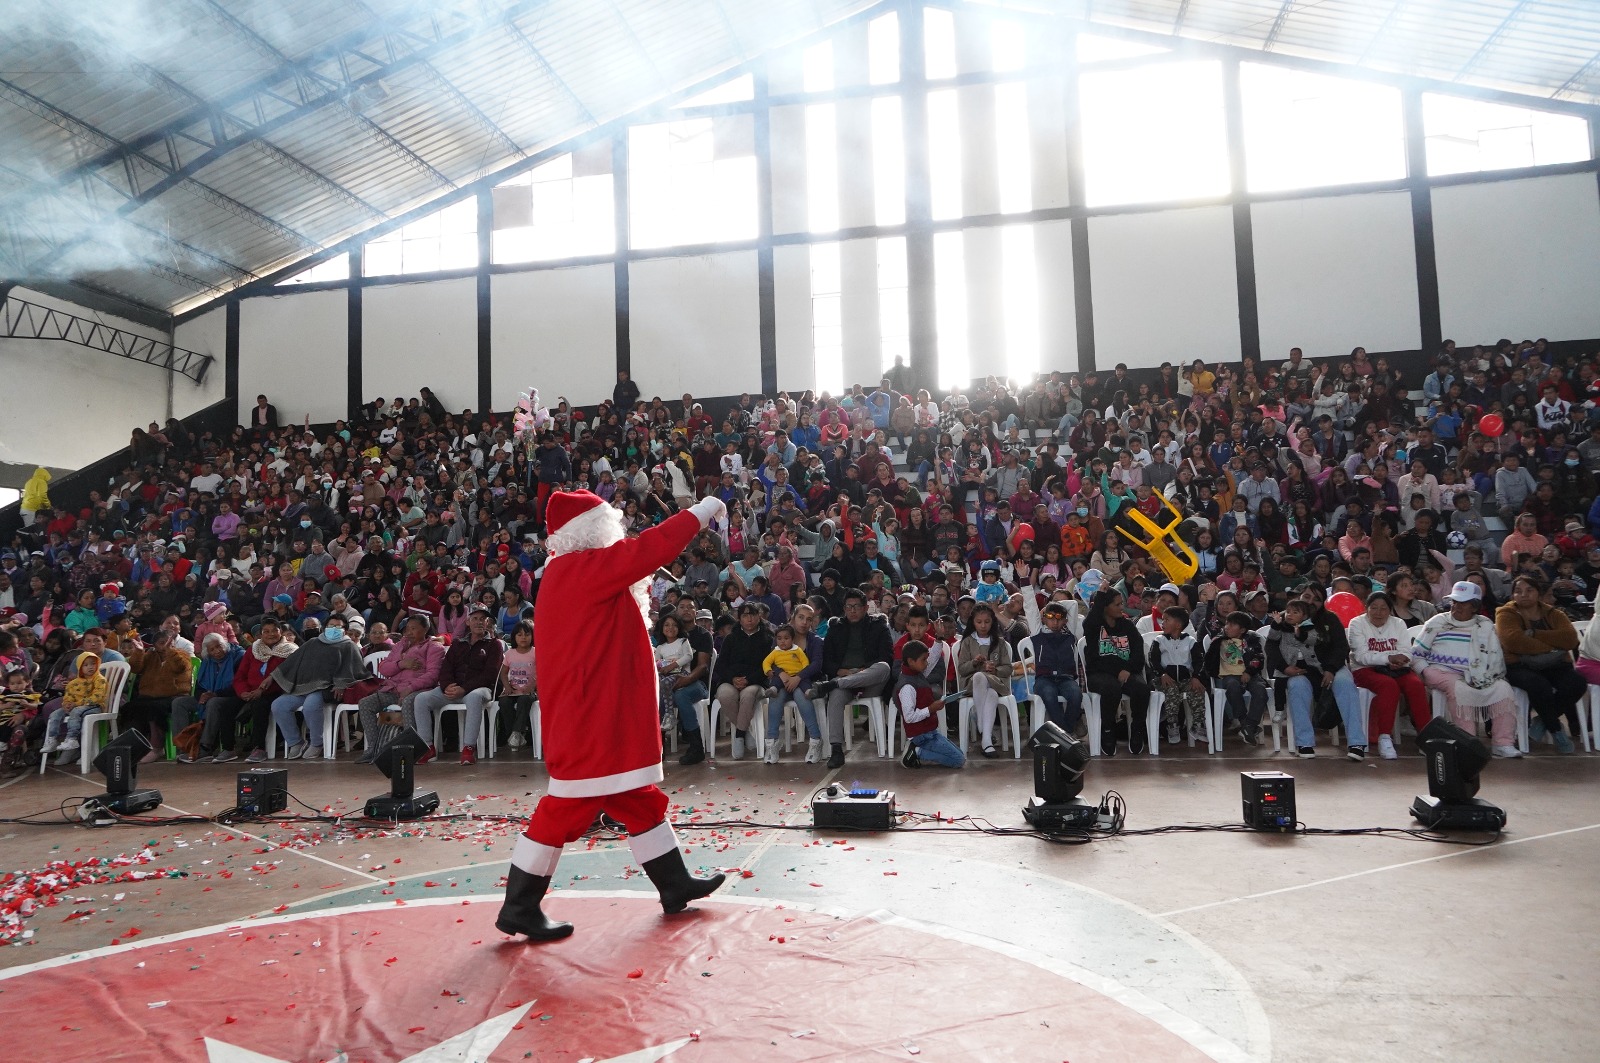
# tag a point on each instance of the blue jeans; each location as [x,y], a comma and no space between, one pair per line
[923,471]
[684,698]
[1063,700]
[808,712]
[1065,426]
[283,710]
[1345,695]
[934,748]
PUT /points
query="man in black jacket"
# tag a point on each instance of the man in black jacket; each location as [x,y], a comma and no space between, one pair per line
[625,395]
[856,659]
[1333,655]
[738,680]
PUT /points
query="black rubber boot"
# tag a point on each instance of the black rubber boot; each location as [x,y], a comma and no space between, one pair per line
[676,886]
[520,914]
[696,751]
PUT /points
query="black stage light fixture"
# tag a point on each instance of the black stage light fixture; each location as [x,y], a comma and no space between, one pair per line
[1059,761]
[1454,758]
[398,760]
[119,763]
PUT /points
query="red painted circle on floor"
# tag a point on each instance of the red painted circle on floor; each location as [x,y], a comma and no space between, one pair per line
[390,983]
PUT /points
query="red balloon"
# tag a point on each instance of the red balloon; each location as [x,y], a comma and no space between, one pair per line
[1020,533]
[1492,424]
[1346,606]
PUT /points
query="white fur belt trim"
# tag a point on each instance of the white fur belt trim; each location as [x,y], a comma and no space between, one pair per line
[535,858]
[657,841]
[606,784]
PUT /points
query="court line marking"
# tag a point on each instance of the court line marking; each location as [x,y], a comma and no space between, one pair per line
[1374,871]
[277,847]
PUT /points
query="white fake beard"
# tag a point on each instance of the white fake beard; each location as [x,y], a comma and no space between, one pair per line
[595,529]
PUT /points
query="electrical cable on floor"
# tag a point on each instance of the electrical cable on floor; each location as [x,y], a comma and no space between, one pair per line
[1112,808]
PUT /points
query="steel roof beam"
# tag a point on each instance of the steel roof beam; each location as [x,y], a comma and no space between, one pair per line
[1491,40]
[549,71]
[20,319]
[1277,26]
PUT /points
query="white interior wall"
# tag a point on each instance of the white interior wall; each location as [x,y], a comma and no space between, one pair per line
[1058,311]
[1519,259]
[986,323]
[555,330]
[980,176]
[695,325]
[1047,127]
[791,282]
[1164,287]
[66,406]
[206,334]
[790,212]
[1336,273]
[863,329]
[294,349]
[421,335]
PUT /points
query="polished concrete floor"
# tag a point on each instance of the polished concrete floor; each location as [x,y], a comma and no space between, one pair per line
[1252,947]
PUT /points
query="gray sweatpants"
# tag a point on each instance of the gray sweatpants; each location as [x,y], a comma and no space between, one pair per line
[867,683]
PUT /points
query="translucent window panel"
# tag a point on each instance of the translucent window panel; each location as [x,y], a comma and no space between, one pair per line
[888,161]
[1154,133]
[827,333]
[1464,136]
[939,42]
[444,240]
[817,66]
[1013,147]
[944,154]
[336,268]
[571,217]
[950,293]
[1019,267]
[682,193]
[1093,49]
[1008,43]
[1303,130]
[736,91]
[883,49]
[894,306]
[822,168]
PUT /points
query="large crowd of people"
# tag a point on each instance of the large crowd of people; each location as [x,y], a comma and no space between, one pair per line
[887,542]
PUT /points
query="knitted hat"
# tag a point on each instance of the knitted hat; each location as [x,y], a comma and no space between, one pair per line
[214,610]
[564,505]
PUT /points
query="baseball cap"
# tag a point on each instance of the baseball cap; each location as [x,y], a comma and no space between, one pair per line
[1465,591]
[1169,588]
[702,614]
[283,599]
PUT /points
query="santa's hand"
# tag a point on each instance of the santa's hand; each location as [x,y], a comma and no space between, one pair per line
[708,509]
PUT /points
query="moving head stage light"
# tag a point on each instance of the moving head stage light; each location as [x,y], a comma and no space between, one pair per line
[1454,758]
[119,763]
[397,759]
[1059,761]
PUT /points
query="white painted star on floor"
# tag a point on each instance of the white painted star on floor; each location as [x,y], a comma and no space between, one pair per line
[471,1046]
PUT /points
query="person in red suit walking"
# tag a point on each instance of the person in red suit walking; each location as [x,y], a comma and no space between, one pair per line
[598,699]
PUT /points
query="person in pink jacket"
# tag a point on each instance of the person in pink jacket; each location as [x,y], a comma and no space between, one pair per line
[409,669]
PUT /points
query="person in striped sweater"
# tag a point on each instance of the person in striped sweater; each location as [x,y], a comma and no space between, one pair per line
[1458,654]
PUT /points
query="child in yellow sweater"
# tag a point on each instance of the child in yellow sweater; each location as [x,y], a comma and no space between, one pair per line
[85,694]
[784,663]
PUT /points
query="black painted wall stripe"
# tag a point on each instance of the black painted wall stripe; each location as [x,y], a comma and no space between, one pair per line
[1428,312]
[1244,245]
[485,320]
[921,293]
[356,398]
[1082,275]
[766,282]
[230,354]
[619,191]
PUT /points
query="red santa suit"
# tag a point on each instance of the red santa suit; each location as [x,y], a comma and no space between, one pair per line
[597,680]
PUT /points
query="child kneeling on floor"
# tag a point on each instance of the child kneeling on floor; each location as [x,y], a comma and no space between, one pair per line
[919,703]
[85,694]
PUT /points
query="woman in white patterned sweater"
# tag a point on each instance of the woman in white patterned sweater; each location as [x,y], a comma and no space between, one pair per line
[1458,654]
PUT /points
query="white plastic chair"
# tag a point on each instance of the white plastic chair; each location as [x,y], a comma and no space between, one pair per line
[116,673]
[491,713]
[337,719]
[1092,712]
[1275,716]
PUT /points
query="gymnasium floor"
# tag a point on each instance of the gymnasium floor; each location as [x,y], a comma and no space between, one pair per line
[311,942]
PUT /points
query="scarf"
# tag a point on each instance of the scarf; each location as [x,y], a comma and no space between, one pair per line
[263,653]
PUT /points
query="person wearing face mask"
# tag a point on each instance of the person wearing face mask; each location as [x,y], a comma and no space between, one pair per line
[310,679]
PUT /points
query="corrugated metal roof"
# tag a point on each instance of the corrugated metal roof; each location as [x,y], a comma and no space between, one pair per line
[172,160]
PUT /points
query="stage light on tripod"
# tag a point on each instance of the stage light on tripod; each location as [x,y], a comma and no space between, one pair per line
[397,759]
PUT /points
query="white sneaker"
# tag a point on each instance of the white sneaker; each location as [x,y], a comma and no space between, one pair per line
[1173,738]
[1197,734]
[1506,751]
[772,752]
[737,753]
[814,751]
[515,741]
[65,757]
[51,745]
[1386,748]
[69,743]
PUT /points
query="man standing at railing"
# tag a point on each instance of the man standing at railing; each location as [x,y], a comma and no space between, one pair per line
[264,416]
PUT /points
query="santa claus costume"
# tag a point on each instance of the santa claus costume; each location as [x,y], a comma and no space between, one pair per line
[598,704]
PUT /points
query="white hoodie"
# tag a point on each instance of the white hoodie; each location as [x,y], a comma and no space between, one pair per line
[1370,646]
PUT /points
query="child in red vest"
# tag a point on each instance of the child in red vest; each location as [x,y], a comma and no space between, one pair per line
[918,704]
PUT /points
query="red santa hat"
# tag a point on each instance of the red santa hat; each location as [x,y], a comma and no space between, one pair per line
[577,521]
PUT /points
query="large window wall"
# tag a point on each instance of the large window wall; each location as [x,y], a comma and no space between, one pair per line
[980,191]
